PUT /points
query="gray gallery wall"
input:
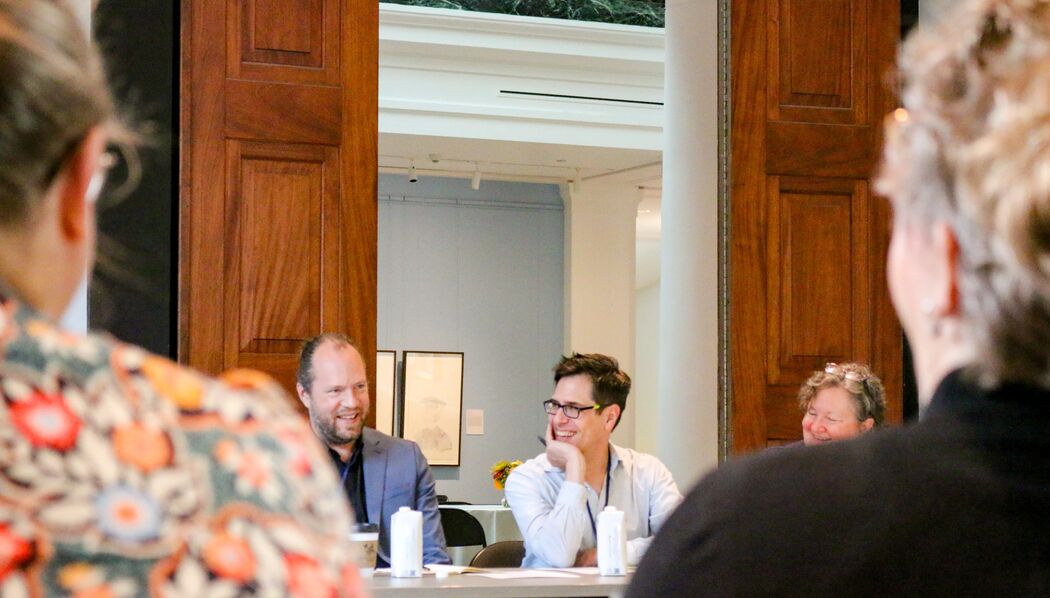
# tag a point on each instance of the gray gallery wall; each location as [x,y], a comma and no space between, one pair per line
[479,272]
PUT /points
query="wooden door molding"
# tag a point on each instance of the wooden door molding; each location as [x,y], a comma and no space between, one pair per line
[278,180]
[807,236]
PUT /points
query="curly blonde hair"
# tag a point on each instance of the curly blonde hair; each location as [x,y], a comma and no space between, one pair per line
[972,149]
[863,386]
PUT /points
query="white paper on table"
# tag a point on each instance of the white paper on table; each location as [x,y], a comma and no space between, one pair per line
[582,570]
[527,573]
[437,569]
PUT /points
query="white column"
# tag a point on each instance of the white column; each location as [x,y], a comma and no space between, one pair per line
[599,278]
[688,386]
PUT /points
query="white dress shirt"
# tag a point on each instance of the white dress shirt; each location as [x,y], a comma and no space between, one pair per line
[553,516]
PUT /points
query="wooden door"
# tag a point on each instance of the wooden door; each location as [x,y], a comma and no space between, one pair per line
[278,180]
[808,236]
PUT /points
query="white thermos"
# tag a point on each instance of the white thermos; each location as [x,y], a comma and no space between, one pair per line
[406,543]
[612,542]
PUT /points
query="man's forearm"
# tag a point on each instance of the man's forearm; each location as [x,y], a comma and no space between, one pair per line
[554,533]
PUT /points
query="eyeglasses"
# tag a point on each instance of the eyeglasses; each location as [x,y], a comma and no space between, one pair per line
[571,411]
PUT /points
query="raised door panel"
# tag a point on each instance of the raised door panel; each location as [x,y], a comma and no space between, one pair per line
[284,40]
[818,57]
[283,252]
[276,195]
[819,292]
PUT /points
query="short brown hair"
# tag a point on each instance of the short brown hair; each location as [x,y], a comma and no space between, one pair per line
[610,384]
[305,375]
[863,386]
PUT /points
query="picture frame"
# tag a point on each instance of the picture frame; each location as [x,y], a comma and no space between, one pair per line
[432,404]
[386,390]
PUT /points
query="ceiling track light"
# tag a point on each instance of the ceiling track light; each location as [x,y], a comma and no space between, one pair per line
[412,176]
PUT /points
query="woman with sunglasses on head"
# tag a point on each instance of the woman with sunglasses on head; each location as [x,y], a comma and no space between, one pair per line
[840,402]
[121,473]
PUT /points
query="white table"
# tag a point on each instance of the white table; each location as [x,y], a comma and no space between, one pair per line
[475,586]
[498,523]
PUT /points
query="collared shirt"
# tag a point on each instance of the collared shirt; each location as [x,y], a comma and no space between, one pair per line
[552,513]
[352,473]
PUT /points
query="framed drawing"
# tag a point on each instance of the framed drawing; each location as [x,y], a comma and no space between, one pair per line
[431,411]
[386,362]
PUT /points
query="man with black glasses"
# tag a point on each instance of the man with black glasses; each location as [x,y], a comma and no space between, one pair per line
[556,497]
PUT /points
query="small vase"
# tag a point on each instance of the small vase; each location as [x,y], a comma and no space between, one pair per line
[503,502]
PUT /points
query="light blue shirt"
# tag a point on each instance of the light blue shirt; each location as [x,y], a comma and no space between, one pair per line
[552,513]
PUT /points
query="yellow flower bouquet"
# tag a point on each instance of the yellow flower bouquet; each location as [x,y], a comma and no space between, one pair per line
[501,471]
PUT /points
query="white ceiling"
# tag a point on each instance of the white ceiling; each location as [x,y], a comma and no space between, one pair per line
[503,160]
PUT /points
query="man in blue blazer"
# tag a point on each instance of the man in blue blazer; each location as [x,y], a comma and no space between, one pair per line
[379,473]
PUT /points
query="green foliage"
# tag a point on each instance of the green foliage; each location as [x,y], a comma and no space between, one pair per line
[648,13]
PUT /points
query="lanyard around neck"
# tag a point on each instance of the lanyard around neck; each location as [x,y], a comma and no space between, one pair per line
[608,478]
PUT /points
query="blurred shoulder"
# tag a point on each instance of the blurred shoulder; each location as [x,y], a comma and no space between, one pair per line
[192,483]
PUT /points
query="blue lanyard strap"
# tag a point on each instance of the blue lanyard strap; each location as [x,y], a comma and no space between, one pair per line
[608,477]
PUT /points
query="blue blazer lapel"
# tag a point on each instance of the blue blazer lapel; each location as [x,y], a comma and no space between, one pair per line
[375,475]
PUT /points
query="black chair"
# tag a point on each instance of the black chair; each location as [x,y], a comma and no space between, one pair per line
[508,553]
[462,528]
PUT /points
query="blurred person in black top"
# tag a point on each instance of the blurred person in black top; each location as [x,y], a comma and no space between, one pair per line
[956,504]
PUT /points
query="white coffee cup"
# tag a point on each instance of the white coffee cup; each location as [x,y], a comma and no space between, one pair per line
[364,545]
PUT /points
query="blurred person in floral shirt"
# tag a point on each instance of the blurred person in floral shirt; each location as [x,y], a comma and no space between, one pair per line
[121,473]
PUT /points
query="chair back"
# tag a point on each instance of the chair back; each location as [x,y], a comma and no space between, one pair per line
[461,528]
[508,553]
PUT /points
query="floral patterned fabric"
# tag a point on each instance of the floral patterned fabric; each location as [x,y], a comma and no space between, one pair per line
[124,474]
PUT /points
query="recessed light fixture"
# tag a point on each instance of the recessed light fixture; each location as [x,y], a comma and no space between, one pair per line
[645,211]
